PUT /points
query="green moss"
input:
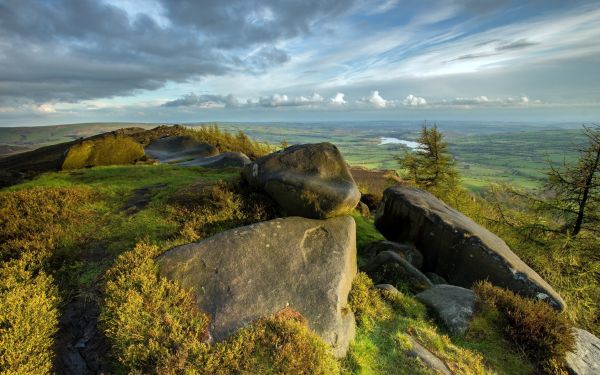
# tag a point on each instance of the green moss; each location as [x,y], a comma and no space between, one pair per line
[365,233]
[109,149]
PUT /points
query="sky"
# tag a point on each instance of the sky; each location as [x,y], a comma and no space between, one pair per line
[68,61]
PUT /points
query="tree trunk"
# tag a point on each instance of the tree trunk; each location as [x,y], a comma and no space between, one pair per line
[586,192]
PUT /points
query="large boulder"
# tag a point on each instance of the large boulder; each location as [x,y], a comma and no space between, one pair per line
[310,180]
[224,160]
[454,246]
[246,273]
[585,359]
[453,305]
[392,268]
[106,149]
[179,148]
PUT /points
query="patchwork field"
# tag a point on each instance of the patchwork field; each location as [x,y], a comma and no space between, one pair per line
[486,153]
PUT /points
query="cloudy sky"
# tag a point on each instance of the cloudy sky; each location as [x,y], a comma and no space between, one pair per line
[64,61]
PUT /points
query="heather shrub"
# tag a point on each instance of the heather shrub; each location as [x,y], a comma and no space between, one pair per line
[278,344]
[34,224]
[366,302]
[225,141]
[207,208]
[543,333]
[152,323]
[28,318]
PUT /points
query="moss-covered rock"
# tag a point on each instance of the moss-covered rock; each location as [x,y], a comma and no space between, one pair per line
[106,149]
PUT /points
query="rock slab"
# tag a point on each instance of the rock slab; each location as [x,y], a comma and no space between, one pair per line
[408,252]
[224,160]
[243,274]
[454,246]
[585,359]
[179,148]
[310,180]
[428,358]
[391,267]
[454,306]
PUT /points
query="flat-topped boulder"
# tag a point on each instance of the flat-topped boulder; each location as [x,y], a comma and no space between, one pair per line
[105,149]
[224,160]
[454,246]
[243,274]
[179,148]
[310,180]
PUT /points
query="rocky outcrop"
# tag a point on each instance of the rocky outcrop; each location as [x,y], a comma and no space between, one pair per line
[224,160]
[179,148]
[106,149]
[408,252]
[453,305]
[585,359]
[391,268]
[454,246]
[243,274]
[310,180]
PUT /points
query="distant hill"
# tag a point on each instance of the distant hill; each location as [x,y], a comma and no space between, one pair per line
[20,139]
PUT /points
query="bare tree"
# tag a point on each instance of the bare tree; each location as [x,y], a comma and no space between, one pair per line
[575,186]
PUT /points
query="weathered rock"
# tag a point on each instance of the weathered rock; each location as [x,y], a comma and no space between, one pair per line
[388,287]
[224,160]
[179,148]
[435,278]
[390,267]
[408,252]
[585,359]
[428,358]
[310,180]
[363,209]
[105,149]
[453,305]
[454,246]
[246,273]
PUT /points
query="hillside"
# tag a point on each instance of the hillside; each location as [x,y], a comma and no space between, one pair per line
[271,264]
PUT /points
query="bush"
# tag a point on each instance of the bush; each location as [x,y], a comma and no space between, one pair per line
[38,220]
[544,334]
[225,141]
[206,208]
[366,302]
[279,344]
[153,324]
[28,318]
[34,223]
[106,149]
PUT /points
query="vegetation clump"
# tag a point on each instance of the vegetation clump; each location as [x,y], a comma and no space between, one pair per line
[28,317]
[544,334]
[152,323]
[208,207]
[225,141]
[106,149]
[279,344]
[34,223]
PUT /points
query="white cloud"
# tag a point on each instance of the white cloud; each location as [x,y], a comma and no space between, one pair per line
[375,99]
[46,108]
[414,101]
[282,100]
[338,99]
